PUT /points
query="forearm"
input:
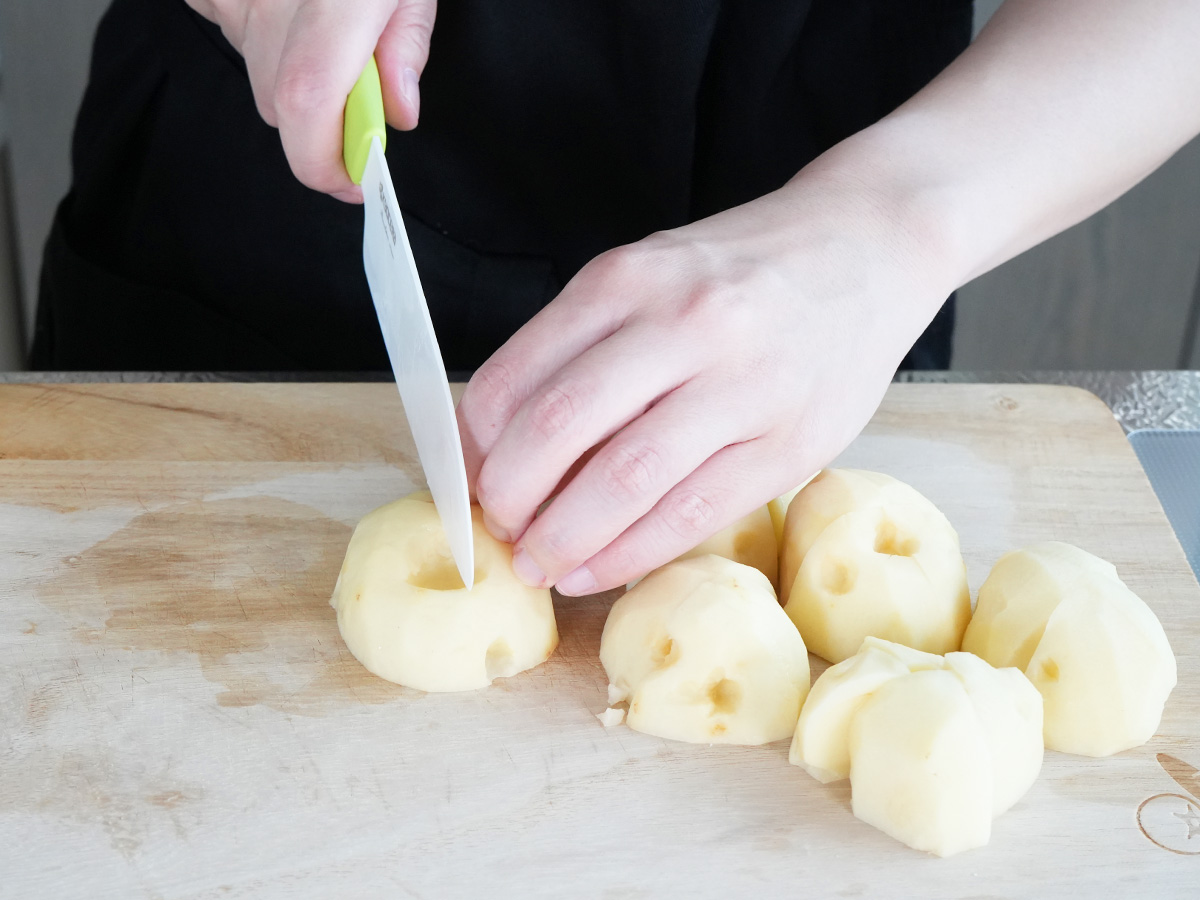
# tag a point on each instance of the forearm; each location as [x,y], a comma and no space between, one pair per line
[1058,108]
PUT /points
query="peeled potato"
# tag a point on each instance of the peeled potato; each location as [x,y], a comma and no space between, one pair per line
[753,540]
[920,770]
[1094,650]
[779,506]
[867,555]
[821,743]
[750,541]
[406,616]
[702,652]
[935,747]
[1010,712]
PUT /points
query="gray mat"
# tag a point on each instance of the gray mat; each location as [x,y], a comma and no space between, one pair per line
[1172,461]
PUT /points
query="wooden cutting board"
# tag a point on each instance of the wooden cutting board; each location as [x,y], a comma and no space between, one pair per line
[180,719]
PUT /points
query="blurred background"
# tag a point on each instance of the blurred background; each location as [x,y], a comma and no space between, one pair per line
[1119,291]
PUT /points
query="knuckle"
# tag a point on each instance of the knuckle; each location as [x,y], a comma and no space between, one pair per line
[491,394]
[631,472]
[405,43]
[611,262]
[495,501]
[492,498]
[690,516]
[621,265]
[724,303]
[621,563]
[301,96]
[557,547]
[483,491]
[556,410]
[710,305]
[418,35]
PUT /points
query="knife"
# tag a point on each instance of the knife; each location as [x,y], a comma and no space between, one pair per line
[404,320]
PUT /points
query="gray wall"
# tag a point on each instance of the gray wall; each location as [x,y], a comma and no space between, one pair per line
[45,46]
[1192,335]
[1117,291]
[1120,290]
[11,330]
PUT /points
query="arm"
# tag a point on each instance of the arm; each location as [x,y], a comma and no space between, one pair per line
[1056,110]
[716,365]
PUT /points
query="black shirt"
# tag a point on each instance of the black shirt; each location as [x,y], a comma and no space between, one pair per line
[550,132]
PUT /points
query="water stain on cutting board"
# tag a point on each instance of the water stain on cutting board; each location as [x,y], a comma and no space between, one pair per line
[129,799]
[244,585]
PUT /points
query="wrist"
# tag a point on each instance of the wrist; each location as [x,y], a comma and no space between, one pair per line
[898,216]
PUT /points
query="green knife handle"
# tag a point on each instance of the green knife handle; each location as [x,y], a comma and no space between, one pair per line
[363,121]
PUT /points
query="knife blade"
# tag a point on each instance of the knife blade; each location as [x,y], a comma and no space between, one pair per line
[405,322]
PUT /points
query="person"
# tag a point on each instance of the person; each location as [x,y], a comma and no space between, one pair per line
[684,246]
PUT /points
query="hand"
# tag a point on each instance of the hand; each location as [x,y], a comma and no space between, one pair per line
[708,368]
[304,56]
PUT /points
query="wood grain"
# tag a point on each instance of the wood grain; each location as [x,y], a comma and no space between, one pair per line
[358,423]
[179,717]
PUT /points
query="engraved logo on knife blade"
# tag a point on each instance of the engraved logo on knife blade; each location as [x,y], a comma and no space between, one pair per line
[388,224]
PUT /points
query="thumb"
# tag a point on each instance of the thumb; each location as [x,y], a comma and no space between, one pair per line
[401,54]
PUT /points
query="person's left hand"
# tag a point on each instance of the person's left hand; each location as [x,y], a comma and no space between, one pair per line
[708,369]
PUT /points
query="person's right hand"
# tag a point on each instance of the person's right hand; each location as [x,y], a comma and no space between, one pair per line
[304,56]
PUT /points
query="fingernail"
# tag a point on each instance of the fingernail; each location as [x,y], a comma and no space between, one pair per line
[410,85]
[527,570]
[495,530]
[577,583]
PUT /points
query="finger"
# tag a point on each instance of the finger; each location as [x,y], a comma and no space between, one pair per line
[259,36]
[730,484]
[402,52]
[328,42]
[588,310]
[577,467]
[582,404]
[623,482]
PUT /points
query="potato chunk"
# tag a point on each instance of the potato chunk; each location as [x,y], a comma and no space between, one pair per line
[920,769]
[405,614]
[867,555]
[779,506]
[1092,647]
[935,747]
[1010,713]
[750,541]
[702,652]
[821,743]
[755,539]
